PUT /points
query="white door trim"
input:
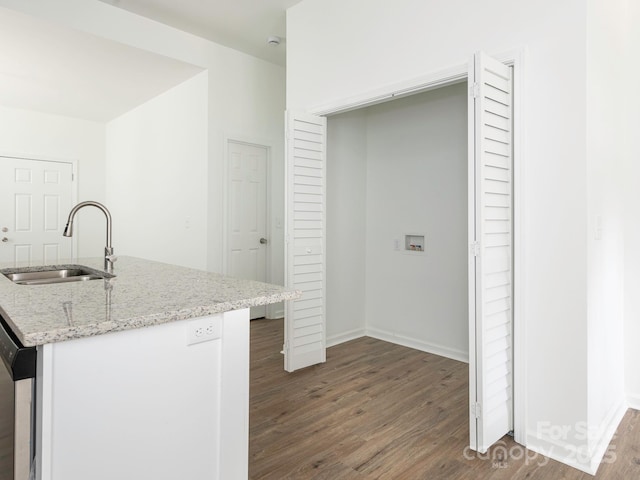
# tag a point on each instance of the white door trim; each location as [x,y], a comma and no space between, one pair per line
[441,78]
[256,142]
[74,182]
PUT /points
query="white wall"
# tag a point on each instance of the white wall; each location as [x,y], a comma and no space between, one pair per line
[246,99]
[417,183]
[606,38]
[346,226]
[374,44]
[246,103]
[44,136]
[627,85]
[156,177]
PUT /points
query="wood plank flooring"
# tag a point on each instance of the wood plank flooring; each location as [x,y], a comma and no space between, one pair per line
[376,410]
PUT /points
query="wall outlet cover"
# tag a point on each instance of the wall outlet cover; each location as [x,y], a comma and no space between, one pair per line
[203,330]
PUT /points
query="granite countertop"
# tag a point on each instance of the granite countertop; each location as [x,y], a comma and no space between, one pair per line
[143,293]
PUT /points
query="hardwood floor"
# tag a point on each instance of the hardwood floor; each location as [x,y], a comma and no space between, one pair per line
[376,410]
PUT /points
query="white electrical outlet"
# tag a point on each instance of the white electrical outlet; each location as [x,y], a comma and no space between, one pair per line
[203,330]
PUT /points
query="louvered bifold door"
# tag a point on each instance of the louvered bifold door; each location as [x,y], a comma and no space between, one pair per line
[491,325]
[305,240]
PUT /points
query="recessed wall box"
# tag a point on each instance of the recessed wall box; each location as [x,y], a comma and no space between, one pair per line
[414,243]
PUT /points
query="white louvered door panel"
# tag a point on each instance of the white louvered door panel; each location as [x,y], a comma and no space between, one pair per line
[305,343]
[491,268]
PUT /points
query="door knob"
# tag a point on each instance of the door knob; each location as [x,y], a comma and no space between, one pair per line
[263,241]
[5,239]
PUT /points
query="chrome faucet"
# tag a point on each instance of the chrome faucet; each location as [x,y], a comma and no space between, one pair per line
[109,257]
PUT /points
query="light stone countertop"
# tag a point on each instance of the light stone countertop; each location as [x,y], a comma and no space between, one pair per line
[143,293]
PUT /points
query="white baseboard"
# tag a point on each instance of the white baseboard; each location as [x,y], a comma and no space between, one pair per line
[441,350]
[275,310]
[633,401]
[583,457]
[607,431]
[334,340]
[560,451]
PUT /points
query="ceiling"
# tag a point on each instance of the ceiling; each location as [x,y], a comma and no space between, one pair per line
[50,68]
[243,25]
[53,69]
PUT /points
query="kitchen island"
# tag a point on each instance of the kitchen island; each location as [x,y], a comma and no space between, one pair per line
[140,376]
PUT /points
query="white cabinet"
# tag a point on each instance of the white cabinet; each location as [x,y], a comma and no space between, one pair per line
[143,404]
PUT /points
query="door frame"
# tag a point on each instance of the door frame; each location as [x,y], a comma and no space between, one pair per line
[442,78]
[255,142]
[74,182]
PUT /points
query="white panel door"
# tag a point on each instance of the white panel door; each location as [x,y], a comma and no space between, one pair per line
[491,268]
[247,215]
[305,342]
[35,199]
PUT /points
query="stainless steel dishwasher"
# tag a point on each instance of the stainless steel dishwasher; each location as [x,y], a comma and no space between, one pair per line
[17,412]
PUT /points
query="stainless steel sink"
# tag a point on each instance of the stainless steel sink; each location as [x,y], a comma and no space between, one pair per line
[53,274]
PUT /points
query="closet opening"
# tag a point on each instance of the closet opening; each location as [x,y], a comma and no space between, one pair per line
[379,190]
[397,222]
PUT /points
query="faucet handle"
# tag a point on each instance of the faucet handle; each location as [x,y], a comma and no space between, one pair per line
[111,258]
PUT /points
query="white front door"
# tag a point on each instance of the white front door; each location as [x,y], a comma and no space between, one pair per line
[35,199]
[491,252]
[247,240]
